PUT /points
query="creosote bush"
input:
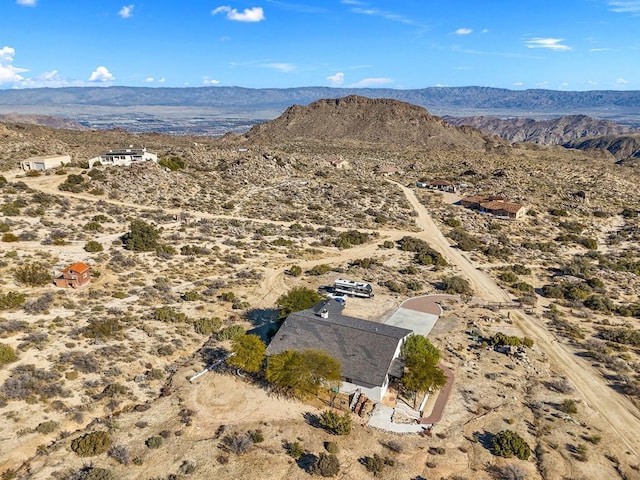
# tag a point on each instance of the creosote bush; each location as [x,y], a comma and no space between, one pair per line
[327,465]
[91,444]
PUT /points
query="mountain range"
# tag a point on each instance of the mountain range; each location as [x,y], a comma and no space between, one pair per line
[131,104]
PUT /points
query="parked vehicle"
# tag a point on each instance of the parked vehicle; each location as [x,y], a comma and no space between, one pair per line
[350,287]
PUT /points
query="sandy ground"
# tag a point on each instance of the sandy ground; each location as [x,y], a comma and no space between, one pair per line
[226,400]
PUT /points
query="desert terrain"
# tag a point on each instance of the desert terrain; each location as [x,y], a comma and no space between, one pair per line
[116,356]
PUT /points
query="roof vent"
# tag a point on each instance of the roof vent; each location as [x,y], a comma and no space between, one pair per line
[324,313]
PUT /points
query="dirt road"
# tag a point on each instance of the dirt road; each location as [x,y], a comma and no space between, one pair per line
[621,415]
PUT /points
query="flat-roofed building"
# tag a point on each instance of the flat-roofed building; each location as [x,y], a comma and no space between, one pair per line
[123,157]
[44,162]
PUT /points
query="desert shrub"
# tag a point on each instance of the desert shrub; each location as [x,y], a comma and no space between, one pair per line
[334,423]
[91,444]
[558,212]
[93,246]
[351,238]
[141,237]
[173,163]
[394,446]
[11,300]
[568,406]
[561,385]
[376,463]
[365,262]
[437,450]
[32,275]
[456,285]
[318,270]
[508,443]
[331,447]
[507,472]
[154,442]
[502,339]
[40,304]
[168,315]
[465,241]
[9,237]
[508,276]
[27,381]
[90,472]
[388,244]
[238,443]
[256,436]
[520,269]
[191,296]
[282,242]
[625,336]
[47,427]
[395,286]
[599,303]
[589,243]
[295,449]
[295,270]
[187,467]
[296,299]
[73,183]
[206,326]
[103,328]
[452,222]
[231,332]
[327,465]
[7,354]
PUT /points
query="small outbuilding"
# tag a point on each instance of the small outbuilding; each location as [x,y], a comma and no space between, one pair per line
[45,162]
[74,276]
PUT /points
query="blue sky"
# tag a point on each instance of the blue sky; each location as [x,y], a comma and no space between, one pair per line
[551,44]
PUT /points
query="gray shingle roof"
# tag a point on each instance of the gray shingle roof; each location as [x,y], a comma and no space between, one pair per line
[365,349]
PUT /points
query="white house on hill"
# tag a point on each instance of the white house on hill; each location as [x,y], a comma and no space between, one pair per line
[367,351]
[124,157]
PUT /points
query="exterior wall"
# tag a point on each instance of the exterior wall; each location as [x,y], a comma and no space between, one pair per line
[44,162]
[375,394]
[123,158]
[73,279]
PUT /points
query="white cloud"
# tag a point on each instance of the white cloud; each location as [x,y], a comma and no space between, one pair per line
[372,82]
[550,43]
[337,79]
[101,74]
[28,3]
[463,31]
[621,81]
[149,79]
[518,84]
[162,80]
[207,81]
[484,30]
[254,14]
[282,67]
[625,6]
[394,17]
[544,84]
[9,73]
[126,11]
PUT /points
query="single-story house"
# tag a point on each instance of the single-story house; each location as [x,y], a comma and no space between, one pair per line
[367,351]
[443,186]
[495,205]
[74,276]
[124,157]
[44,162]
[387,170]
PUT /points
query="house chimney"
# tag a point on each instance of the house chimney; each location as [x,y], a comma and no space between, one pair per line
[324,313]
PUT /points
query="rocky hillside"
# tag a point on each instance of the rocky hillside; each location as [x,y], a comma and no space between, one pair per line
[557,131]
[44,120]
[372,121]
[624,148]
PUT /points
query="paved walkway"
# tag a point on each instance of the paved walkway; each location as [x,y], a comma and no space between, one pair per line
[419,314]
[443,396]
[381,418]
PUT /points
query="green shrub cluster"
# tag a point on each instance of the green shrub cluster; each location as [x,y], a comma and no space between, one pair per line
[74,183]
[464,240]
[32,275]
[7,354]
[334,423]
[141,237]
[154,442]
[93,246]
[91,444]
[456,285]
[173,163]
[169,315]
[502,339]
[206,326]
[351,238]
[194,250]
[508,443]
[11,300]
[327,465]
[425,255]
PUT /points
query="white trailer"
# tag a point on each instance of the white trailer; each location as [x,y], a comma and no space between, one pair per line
[350,287]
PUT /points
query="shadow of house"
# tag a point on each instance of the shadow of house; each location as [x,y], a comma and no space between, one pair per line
[367,351]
